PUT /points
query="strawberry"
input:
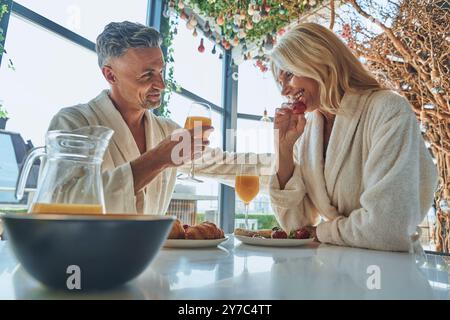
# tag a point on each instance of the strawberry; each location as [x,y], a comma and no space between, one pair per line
[301,234]
[279,234]
[298,107]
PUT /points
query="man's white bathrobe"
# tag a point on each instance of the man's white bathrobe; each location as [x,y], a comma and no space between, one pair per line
[376,183]
[117,175]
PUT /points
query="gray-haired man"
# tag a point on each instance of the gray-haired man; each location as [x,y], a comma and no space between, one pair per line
[139,173]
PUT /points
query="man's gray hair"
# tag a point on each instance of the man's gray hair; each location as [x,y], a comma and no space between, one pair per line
[118,37]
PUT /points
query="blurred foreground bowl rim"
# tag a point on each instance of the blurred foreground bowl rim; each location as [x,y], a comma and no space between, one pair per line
[85,217]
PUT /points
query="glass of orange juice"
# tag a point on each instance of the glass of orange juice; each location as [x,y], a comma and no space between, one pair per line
[199,115]
[247,185]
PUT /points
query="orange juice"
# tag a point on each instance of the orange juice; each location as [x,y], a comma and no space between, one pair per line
[67,208]
[196,121]
[247,187]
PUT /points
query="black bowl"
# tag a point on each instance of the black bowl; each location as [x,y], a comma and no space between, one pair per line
[93,251]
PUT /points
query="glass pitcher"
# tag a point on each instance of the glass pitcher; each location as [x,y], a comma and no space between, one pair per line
[70,179]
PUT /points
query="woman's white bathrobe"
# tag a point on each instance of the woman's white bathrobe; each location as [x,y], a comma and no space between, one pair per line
[376,184]
[117,176]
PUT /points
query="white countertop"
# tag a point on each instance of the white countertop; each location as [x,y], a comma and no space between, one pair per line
[237,271]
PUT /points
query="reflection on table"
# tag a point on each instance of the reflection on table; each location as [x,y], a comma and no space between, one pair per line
[237,271]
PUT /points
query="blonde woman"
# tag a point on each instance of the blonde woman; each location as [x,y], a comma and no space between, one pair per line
[356,162]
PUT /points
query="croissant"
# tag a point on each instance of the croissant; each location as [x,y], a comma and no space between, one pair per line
[265,233]
[177,231]
[204,231]
[244,232]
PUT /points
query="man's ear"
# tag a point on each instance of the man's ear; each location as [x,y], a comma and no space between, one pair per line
[109,75]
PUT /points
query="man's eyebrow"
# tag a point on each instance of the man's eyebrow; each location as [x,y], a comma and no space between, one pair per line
[152,69]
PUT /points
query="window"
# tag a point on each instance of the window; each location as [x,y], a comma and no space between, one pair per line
[202,196]
[257,91]
[200,73]
[8,169]
[44,80]
[255,136]
[179,108]
[88,18]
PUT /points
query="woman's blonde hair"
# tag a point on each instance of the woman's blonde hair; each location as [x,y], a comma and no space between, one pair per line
[313,51]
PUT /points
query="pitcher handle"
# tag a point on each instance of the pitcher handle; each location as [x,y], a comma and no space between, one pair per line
[25,171]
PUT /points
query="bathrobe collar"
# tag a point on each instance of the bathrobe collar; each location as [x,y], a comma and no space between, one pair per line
[325,173]
[123,138]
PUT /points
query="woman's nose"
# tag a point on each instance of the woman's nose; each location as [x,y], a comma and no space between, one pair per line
[285,90]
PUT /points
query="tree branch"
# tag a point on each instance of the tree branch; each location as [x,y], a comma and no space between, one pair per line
[332,15]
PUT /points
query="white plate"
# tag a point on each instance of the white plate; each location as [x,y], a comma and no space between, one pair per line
[187,243]
[273,242]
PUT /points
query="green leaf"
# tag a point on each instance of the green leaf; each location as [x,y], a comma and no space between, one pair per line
[3,112]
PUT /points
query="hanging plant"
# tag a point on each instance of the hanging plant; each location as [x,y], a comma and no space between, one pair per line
[3,11]
[168,31]
[261,17]
[248,25]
